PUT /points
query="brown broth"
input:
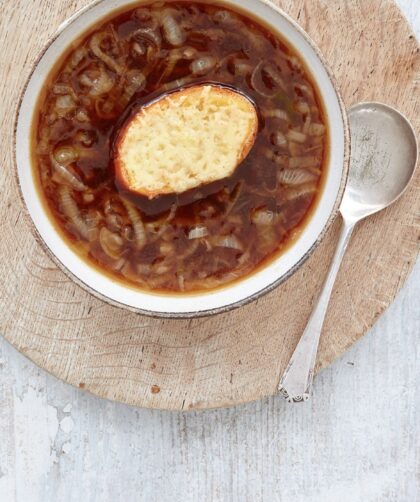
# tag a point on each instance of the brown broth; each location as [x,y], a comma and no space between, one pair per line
[240,223]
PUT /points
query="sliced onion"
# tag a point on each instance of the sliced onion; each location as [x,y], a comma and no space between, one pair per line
[172,30]
[166,248]
[307,124]
[244,258]
[119,265]
[257,85]
[175,56]
[295,176]
[278,114]
[208,244]
[138,225]
[224,16]
[144,268]
[97,81]
[88,197]
[275,76]
[302,107]
[317,141]
[313,149]
[266,238]
[66,155]
[191,249]
[114,222]
[143,14]
[181,82]
[86,138]
[105,108]
[280,160]
[213,34]
[132,276]
[236,219]
[92,220]
[256,41]
[64,89]
[159,227]
[156,229]
[181,281]
[228,241]
[297,136]
[43,146]
[203,65]
[146,43]
[305,90]
[279,139]
[294,61]
[111,243]
[316,130]
[82,116]
[109,207]
[158,282]
[64,105]
[172,213]
[304,162]
[299,191]
[262,217]
[242,68]
[138,49]
[234,198]
[62,169]
[128,233]
[271,71]
[95,46]
[215,282]
[148,34]
[77,57]
[295,149]
[162,269]
[65,102]
[71,210]
[198,233]
[135,82]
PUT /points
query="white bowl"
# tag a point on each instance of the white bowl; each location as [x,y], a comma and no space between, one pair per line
[248,289]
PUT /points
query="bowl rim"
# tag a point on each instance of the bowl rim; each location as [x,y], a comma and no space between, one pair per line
[225,308]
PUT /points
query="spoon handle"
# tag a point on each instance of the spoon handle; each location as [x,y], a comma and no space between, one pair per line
[296,382]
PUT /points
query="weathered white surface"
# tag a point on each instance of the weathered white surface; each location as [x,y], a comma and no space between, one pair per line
[357,440]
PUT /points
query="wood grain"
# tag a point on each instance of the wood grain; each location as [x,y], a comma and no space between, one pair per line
[232,358]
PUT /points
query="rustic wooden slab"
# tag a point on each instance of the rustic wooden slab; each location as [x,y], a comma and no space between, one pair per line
[232,358]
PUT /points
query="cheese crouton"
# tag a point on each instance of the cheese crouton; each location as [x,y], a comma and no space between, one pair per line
[189,138]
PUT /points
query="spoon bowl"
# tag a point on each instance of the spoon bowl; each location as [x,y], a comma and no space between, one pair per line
[384,156]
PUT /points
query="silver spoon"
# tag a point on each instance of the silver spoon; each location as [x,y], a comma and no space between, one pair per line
[383,160]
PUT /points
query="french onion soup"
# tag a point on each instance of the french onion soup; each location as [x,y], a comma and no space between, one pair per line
[180,146]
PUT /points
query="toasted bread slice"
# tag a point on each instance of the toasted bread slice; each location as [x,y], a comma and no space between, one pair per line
[189,138]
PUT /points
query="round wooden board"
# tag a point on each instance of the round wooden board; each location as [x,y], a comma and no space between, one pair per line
[228,359]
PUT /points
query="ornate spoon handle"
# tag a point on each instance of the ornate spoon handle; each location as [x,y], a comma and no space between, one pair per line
[296,383]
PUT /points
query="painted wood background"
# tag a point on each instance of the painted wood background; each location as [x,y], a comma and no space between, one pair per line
[357,440]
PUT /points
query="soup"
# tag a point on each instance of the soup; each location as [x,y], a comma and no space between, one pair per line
[212,235]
